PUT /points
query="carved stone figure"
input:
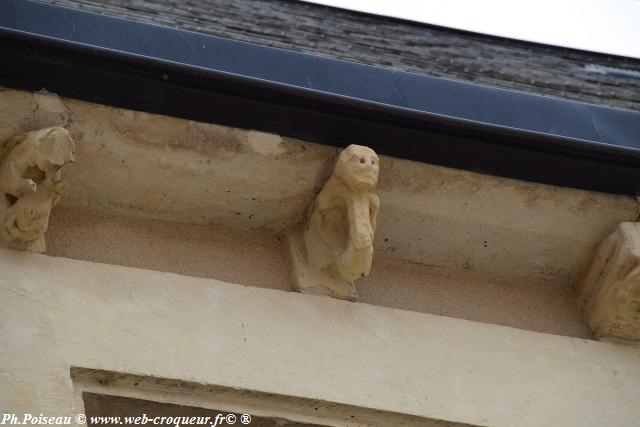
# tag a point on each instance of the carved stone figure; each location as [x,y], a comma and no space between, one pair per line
[610,287]
[336,246]
[31,184]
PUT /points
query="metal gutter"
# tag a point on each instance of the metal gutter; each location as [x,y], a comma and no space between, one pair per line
[195,76]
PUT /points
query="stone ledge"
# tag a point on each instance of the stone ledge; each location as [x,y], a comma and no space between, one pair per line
[60,313]
[189,172]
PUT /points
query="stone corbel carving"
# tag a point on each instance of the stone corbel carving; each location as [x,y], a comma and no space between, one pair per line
[610,287]
[336,245]
[30,185]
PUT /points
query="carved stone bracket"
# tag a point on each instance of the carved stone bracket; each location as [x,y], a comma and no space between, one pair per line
[336,245]
[610,287]
[31,184]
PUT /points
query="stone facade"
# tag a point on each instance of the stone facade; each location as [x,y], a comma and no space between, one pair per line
[471,282]
[190,266]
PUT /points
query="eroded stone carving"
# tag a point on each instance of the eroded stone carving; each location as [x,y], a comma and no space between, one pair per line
[610,287]
[30,185]
[336,246]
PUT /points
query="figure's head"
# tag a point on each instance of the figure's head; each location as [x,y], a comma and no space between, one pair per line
[358,168]
[55,147]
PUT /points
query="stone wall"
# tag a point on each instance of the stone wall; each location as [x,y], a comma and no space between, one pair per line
[207,343]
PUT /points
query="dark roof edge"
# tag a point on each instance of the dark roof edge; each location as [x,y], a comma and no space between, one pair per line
[189,75]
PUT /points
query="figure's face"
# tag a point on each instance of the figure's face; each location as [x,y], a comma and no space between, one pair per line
[358,167]
[55,149]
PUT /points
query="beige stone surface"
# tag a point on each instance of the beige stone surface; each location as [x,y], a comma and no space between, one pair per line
[59,313]
[453,242]
[31,183]
[527,303]
[286,411]
[199,250]
[610,288]
[503,227]
[259,259]
[185,171]
[335,247]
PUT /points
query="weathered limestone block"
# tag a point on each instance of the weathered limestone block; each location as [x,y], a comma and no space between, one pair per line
[336,245]
[31,184]
[610,287]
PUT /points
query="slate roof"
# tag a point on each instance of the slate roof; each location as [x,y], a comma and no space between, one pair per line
[387,42]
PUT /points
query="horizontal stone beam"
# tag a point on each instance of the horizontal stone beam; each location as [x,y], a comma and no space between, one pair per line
[58,314]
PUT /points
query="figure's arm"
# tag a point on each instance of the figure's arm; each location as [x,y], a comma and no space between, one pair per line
[12,182]
[356,260]
[359,222]
[374,205]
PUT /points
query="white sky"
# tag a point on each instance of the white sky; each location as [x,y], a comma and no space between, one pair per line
[609,26]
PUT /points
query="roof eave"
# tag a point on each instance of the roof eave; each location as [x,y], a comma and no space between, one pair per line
[194,76]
